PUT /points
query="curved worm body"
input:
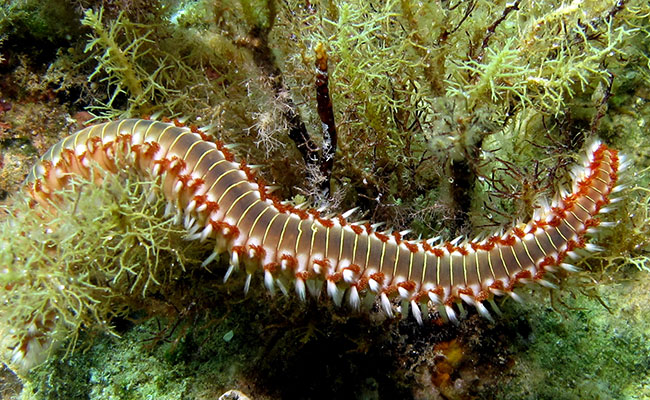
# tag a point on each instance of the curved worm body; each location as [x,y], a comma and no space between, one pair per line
[221,200]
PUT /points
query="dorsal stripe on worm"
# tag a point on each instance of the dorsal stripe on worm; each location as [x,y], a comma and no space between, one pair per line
[324,248]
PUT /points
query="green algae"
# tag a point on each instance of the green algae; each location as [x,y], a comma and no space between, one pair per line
[583,350]
[126,369]
[38,23]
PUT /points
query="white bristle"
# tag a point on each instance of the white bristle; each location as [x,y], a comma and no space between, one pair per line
[229,271]
[247,284]
[314,286]
[177,219]
[268,281]
[467,299]
[623,164]
[417,313]
[234,259]
[451,314]
[169,209]
[335,292]
[434,298]
[569,267]
[377,225]
[188,221]
[593,248]
[192,232]
[348,275]
[331,288]
[208,128]
[515,297]
[350,212]
[496,292]
[210,258]
[386,306]
[355,301]
[190,206]
[152,197]
[484,311]
[206,232]
[282,287]
[300,289]
[546,283]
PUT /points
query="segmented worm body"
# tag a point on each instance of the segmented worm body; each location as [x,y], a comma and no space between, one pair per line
[220,199]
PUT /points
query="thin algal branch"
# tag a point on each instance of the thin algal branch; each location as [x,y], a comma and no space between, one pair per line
[326,114]
[492,28]
[257,43]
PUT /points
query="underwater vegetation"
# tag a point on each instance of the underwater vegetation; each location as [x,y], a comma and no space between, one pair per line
[451,118]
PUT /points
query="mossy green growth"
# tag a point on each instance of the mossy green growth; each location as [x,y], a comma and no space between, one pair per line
[259,14]
[136,367]
[31,21]
[582,350]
